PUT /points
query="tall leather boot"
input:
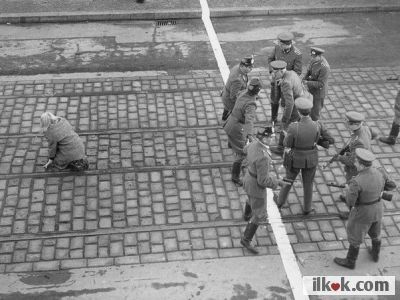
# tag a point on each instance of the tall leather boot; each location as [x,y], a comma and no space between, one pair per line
[394,132]
[225,115]
[248,235]
[247,212]
[274,112]
[278,149]
[350,261]
[236,168]
[375,249]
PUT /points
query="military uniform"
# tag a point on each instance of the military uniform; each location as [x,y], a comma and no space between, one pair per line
[302,154]
[294,61]
[240,125]
[360,138]
[316,80]
[291,88]
[364,198]
[256,180]
[394,131]
[237,82]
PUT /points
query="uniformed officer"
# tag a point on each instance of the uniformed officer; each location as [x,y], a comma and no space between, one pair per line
[316,80]
[363,196]
[394,131]
[258,177]
[237,82]
[285,51]
[361,136]
[301,153]
[240,125]
[291,88]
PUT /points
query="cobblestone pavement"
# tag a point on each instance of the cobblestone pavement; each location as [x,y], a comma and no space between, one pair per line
[158,188]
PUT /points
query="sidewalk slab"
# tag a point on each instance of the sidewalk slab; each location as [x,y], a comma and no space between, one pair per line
[34,11]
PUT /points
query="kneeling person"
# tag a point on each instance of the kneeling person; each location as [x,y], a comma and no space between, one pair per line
[66,149]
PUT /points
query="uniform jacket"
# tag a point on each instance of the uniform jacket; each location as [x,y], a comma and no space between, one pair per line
[65,145]
[365,187]
[302,139]
[317,77]
[291,88]
[240,122]
[237,81]
[397,109]
[361,138]
[259,165]
[293,58]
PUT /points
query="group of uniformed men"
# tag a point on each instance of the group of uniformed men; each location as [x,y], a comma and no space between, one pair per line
[302,98]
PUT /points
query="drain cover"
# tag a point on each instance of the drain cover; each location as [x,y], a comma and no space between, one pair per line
[166,22]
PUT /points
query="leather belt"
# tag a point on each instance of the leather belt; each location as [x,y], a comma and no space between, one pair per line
[367,203]
[304,149]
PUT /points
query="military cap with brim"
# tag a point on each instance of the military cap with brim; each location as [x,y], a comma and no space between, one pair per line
[303,103]
[247,61]
[354,117]
[364,155]
[286,37]
[278,64]
[317,50]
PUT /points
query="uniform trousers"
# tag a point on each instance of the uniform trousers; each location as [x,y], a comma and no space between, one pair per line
[258,209]
[318,104]
[356,231]
[308,175]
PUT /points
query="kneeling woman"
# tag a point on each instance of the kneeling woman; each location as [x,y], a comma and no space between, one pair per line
[66,149]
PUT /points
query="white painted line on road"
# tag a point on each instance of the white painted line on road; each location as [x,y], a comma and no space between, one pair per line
[285,249]
[216,46]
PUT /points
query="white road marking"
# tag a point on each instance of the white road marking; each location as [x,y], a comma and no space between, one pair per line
[285,249]
[219,55]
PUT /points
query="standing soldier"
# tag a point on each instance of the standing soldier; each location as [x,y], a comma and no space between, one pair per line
[285,51]
[240,125]
[291,88]
[361,136]
[302,153]
[394,132]
[237,82]
[363,196]
[316,80]
[256,180]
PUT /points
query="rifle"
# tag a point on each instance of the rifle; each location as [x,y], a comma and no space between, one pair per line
[341,152]
[384,195]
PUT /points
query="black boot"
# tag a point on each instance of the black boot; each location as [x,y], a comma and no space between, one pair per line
[236,168]
[225,115]
[247,212]
[344,215]
[249,232]
[374,251]
[350,261]
[394,132]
